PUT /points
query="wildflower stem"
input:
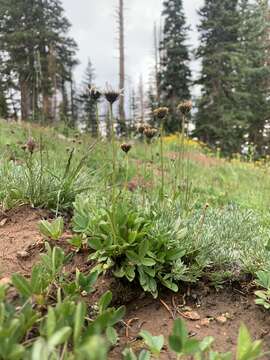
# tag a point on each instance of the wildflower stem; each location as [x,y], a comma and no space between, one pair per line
[152,164]
[113,153]
[41,164]
[182,147]
[162,162]
[97,121]
[127,168]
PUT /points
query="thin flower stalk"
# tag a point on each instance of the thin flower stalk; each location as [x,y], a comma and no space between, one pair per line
[161,113]
[126,149]
[114,153]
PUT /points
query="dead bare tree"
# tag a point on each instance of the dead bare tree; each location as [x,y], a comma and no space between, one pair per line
[141,100]
[156,53]
[121,29]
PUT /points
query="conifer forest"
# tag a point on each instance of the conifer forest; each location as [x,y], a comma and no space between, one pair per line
[134,180]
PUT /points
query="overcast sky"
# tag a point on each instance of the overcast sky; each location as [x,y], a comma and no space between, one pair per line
[94,29]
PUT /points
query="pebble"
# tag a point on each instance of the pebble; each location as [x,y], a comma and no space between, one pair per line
[23,255]
[221,319]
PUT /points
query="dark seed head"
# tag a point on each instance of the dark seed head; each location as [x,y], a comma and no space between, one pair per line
[150,133]
[31,145]
[142,127]
[112,95]
[185,107]
[161,112]
[94,93]
[126,147]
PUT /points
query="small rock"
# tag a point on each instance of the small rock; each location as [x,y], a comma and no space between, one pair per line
[221,319]
[3,222]
[23,255]
[205,322]
[192,315]
[187,308]
[229,316]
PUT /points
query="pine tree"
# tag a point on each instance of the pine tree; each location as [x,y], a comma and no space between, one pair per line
[88,105]
[133,111]
[222,115]
[4,111]
[174,70]
[3,104]
[255,45]
[38,51]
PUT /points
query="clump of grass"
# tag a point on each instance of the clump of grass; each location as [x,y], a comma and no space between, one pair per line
[41,180]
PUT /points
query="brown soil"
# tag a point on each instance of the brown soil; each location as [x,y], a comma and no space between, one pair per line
[21,245]
[218,314]
[19,237]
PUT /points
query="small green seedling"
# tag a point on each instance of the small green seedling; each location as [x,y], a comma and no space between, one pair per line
[52,230]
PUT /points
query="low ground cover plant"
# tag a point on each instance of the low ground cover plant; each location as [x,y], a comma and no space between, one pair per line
[49,320]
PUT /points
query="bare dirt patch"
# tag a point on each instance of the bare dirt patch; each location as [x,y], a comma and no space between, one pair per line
[217,314]
[197,157]
[19,240]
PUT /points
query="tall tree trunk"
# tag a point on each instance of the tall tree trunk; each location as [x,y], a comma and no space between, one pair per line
[156,50]
[141,100]
[46,86]
[47,107]
[25,98]
[65,105]
[52,70]
[73,119]
[122,120]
